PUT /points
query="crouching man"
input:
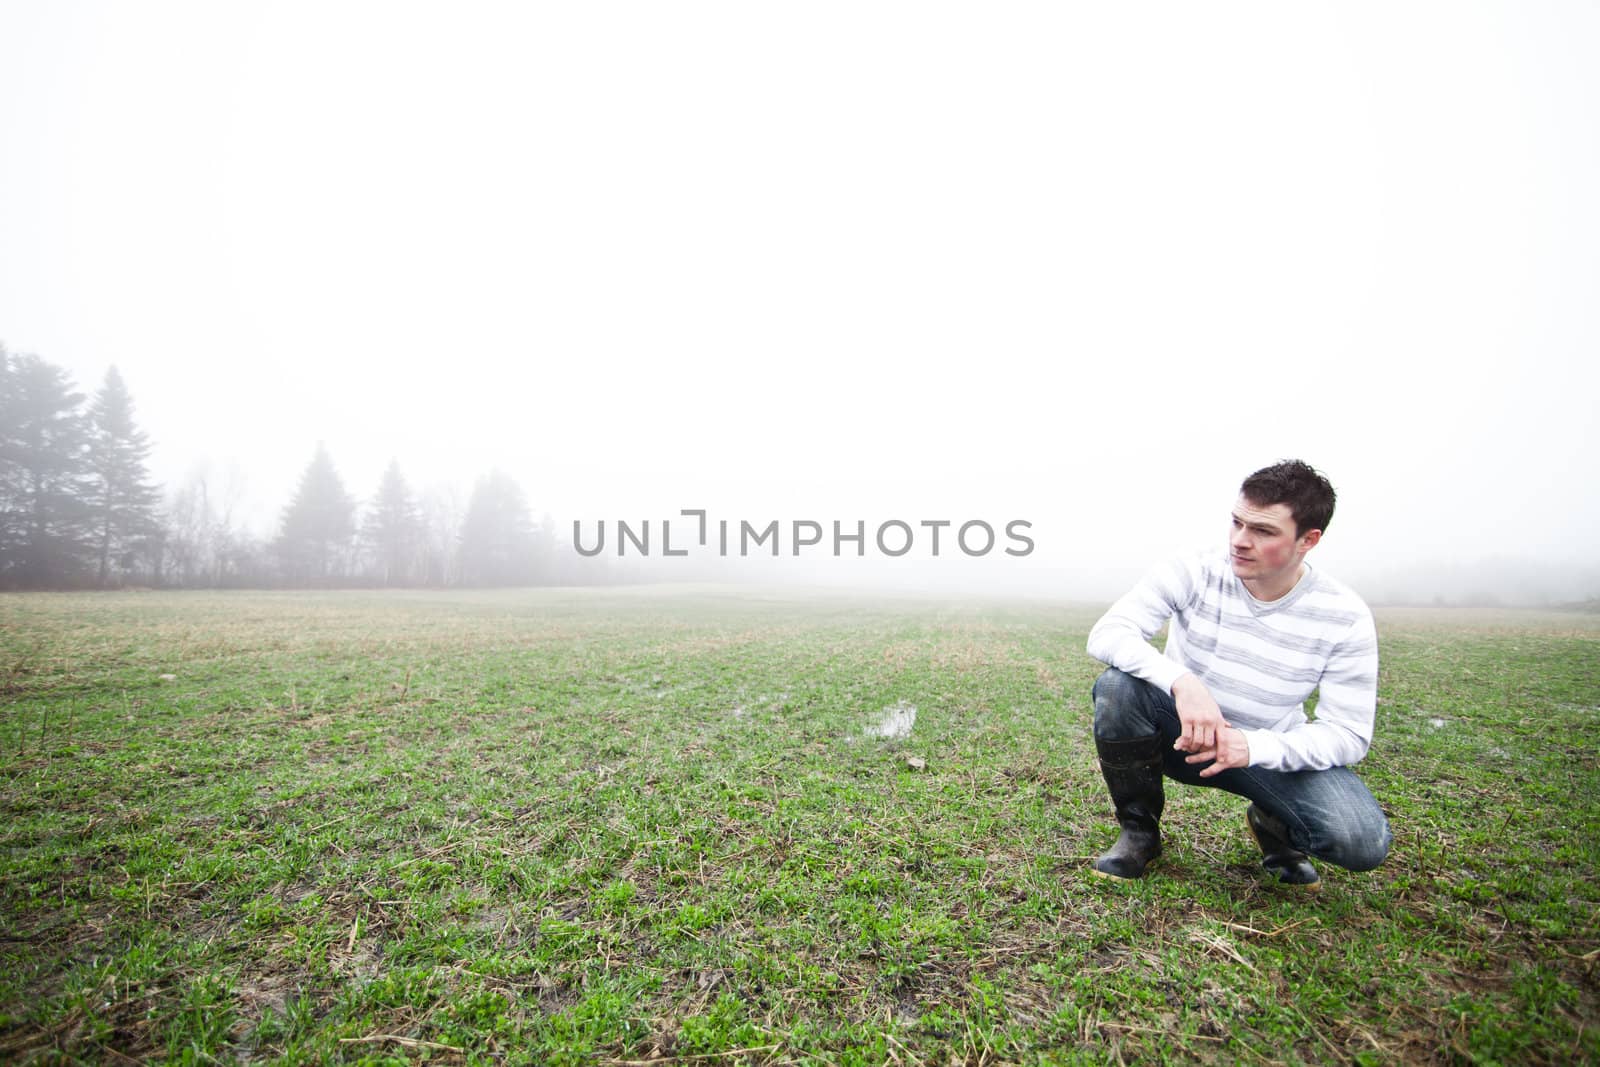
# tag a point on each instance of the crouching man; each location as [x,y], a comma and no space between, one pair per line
[1255,630]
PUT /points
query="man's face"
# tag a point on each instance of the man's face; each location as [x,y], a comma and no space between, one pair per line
[1263,546]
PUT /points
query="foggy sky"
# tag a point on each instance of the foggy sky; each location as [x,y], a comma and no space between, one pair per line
[1081,266]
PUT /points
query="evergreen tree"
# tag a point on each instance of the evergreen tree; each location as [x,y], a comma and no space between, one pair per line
[43,516]
[544,551]
[497,536]
[393,529]
[11,480]
[317,524]
[121,501]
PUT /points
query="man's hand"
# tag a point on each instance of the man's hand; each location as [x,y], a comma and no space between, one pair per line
[1231,750]
[1199,714]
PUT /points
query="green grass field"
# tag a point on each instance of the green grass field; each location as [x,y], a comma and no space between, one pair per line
[574,826]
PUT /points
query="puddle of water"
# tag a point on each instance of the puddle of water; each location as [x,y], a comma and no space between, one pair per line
[895,723]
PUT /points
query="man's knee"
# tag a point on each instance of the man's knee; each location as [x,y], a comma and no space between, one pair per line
[1114,686]
[1361,846]
[1119,706]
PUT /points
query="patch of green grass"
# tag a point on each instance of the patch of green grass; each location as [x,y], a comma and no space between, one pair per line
[570,826]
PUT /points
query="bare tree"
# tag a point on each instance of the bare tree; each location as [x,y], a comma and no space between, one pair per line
[442,510]
[201,545]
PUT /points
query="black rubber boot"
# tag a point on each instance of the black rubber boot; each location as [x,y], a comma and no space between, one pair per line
[1132,770]
[1289,864]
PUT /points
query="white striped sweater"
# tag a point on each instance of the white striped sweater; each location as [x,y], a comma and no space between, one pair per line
[1259,660]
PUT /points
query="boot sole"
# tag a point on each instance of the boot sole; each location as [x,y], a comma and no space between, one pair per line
[1098,873]
[1298,887]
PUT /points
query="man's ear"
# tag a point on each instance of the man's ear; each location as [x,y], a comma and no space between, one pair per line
[1309,540]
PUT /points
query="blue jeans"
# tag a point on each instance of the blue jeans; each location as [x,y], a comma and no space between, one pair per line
[1329,814]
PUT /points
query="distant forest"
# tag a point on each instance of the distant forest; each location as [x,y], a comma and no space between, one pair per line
[78,510]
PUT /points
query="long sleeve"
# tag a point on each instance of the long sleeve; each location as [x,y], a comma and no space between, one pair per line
[1121,638]
[1346,709]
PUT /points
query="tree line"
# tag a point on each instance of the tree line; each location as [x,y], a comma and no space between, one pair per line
[78,509]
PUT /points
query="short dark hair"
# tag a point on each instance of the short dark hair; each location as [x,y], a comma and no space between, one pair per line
[1305,490]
